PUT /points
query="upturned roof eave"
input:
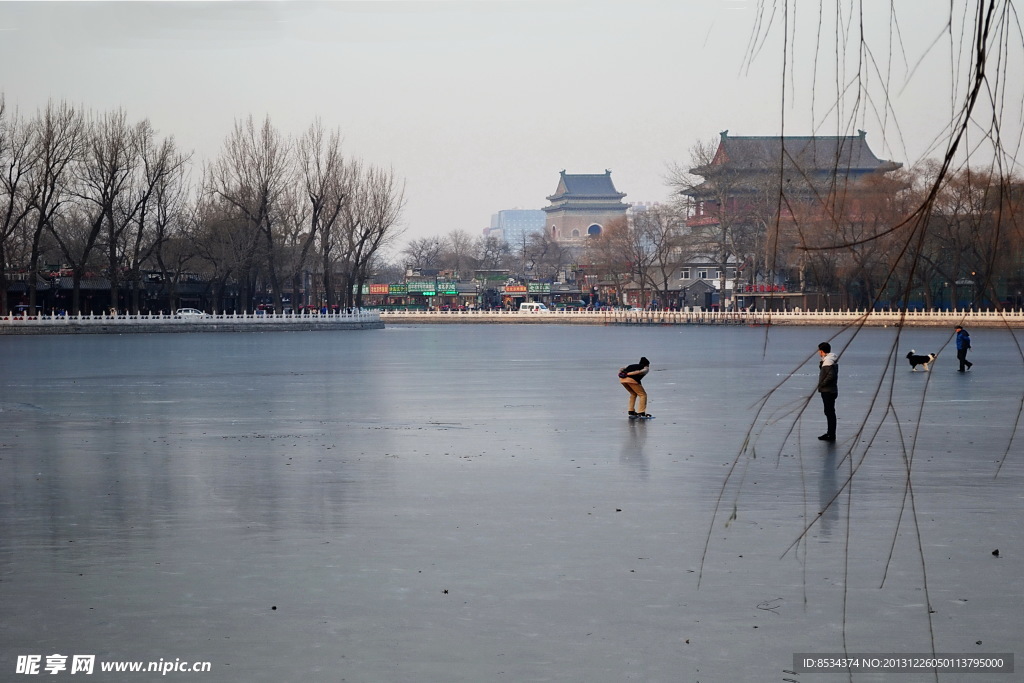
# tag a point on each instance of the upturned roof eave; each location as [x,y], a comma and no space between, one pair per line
[753,153]
[586,207]
[569,196]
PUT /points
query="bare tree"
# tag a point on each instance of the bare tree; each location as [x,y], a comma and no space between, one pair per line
[458,246]
[222,241]
[659,240]
[58,135]
[423,252]
[151,202]
[371,224]
[639,255]
[251,175]
[109,186]
[491,253]
[540,256]
[294,240]
[175,241]
[16,163]
[329,183]
[103,176]
[969,236]
[609,254]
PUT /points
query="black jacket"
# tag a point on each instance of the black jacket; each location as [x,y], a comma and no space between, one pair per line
[635,367]
[828,375]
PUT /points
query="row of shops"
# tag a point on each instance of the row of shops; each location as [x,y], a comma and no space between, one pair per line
[446,294]
[442,294]
[426,293]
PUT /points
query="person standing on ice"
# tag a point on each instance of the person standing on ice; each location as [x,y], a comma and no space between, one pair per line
[963,342]
[630,377]
[828,387]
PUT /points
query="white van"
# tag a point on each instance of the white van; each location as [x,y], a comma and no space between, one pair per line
[533,308]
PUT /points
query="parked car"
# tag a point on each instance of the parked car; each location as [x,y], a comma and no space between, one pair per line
[190,313]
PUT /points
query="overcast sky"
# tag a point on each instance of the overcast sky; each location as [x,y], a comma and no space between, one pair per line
[478,104]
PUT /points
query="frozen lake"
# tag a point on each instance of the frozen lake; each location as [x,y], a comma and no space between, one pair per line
[469,503]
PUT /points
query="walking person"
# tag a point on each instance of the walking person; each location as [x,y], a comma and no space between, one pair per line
[828,387]
[630,378]
[963,343]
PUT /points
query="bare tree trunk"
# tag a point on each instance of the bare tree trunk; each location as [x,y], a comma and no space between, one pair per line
[106,172]
[59,136]
[250,176]
[328,280]
[17,162]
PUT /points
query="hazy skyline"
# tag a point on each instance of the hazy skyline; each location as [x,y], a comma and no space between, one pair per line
[478,104]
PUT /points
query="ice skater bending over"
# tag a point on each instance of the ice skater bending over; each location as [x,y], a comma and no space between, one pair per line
[630,378]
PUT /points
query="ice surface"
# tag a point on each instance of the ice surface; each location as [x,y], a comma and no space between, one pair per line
[470,503]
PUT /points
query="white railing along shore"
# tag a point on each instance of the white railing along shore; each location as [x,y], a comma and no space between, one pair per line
[261,318]
[1012,318]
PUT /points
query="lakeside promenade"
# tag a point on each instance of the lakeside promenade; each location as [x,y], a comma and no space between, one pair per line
[375,319]
[223,322]
[625,317]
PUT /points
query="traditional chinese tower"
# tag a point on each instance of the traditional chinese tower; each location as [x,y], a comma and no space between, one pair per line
[582,206]
[804,168]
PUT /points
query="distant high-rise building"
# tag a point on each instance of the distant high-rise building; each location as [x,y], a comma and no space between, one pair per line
[515,225]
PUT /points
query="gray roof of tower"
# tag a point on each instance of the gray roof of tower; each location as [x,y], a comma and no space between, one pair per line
[809,153]
[579,185]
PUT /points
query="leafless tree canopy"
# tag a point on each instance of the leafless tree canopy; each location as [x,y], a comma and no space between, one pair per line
[95,196]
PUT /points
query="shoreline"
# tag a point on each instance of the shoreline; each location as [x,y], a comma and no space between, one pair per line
[366,320]
[373,319]
[1005,319]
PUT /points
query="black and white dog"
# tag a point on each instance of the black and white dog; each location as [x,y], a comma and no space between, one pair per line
[923,361]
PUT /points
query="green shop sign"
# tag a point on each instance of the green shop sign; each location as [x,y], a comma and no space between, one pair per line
[432,287]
